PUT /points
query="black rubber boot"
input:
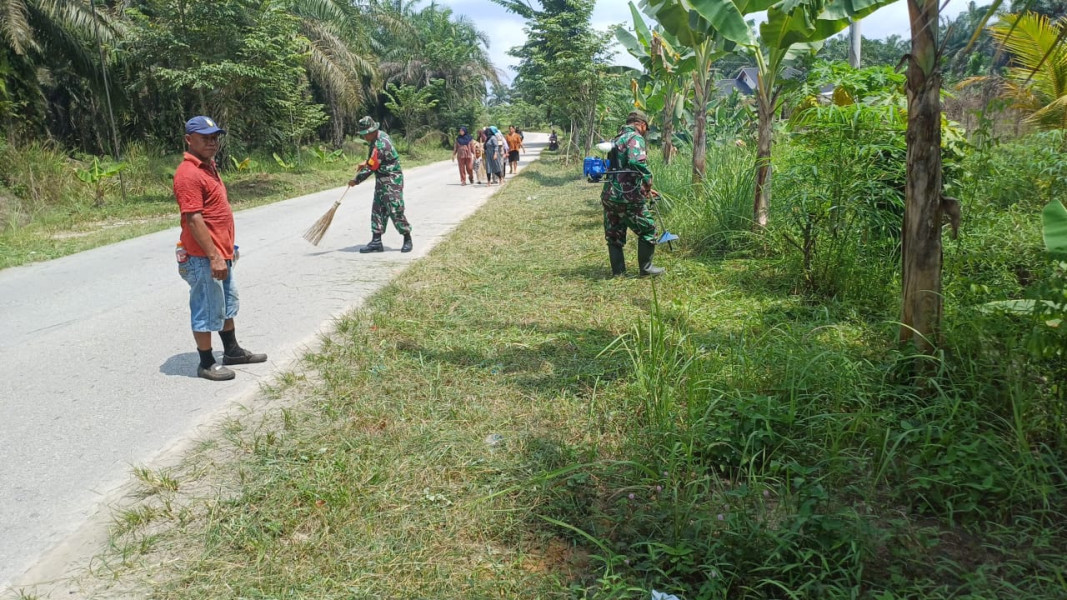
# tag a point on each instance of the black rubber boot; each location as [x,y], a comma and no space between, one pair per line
[645,250]
[407,244]
[618,260]
[375,245]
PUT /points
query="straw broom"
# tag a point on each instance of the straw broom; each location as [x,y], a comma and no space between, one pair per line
[315,233]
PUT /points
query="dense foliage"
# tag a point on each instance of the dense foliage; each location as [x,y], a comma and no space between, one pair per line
[788,453]
[278,74]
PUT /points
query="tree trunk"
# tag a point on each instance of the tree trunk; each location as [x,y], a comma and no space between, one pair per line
[590,121]
[921,262]
[700,116]
[572,141]
[762,204]
[667,137]
[855,44]
[337,124]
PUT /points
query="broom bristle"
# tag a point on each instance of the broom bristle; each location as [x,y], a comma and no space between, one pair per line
[315,233]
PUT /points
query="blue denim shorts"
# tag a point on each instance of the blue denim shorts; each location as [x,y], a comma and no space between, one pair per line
[211,301]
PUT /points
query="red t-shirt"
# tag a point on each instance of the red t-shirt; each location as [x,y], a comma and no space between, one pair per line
[198,189]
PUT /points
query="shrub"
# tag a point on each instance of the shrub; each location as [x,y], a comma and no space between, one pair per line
[839,201]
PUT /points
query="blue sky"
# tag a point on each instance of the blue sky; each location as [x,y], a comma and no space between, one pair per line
[505,29]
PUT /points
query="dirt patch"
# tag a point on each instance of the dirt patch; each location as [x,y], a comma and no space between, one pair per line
[558,556]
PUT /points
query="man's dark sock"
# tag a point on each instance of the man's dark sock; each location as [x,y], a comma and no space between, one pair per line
[229,342]
[207,358]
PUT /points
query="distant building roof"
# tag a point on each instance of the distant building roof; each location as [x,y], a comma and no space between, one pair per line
[728,86]
[747,80]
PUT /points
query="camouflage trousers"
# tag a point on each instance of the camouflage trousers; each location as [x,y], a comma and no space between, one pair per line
[389,204]
[621,214]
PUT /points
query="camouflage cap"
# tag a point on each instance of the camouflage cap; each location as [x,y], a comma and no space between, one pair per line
[636,116]
[366,125]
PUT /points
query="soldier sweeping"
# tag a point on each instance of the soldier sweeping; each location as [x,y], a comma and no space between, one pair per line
[383,161]
[626,188]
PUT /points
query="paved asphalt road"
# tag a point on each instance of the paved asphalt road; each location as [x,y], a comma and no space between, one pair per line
[98,367]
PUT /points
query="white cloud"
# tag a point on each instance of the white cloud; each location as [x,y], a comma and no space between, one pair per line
[505,29]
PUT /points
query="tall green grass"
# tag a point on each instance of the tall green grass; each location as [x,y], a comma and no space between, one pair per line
[780,446]
[47,212]
[714,216]
[790,462]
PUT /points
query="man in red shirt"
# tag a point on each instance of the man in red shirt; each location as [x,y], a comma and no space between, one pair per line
[206,255]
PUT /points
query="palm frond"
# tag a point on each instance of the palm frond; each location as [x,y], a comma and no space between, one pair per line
[15,26]
[1036,82]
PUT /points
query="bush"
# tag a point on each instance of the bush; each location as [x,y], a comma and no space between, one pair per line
[839,201]
[787,464]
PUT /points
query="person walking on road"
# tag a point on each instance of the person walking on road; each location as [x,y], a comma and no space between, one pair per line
[479,160]
[383,161]
[463,151]
[626,188]
[502,152]
[206,253]
[493,151]
[514,139]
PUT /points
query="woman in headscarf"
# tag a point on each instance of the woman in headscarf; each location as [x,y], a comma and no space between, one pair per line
[493,152]
[463,151]
[502,152]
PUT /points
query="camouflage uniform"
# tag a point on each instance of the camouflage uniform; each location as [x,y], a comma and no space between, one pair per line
[623,196]
[384,161]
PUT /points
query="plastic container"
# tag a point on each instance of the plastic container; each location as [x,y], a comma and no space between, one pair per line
[180,254]
[594,168]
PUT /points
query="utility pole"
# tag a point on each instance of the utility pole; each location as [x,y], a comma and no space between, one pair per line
[855,43]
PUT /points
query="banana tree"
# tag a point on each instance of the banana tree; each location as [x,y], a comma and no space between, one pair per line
[709,42]
[921,239]
[791,30]
[793,27]
[668,67]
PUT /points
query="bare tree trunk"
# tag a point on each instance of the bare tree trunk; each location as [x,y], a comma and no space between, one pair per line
[572,141]
[700,130]
[667,130]
[855,44]
[762,204]
[590,120]
[921,311]
[337,123]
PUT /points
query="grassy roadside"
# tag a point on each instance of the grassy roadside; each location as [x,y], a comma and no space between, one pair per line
[467,436]
[478,367]
[57,216]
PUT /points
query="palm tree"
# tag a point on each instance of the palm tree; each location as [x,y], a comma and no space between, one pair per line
[49,46]
[439,46]
[1037,80]
[340,59]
